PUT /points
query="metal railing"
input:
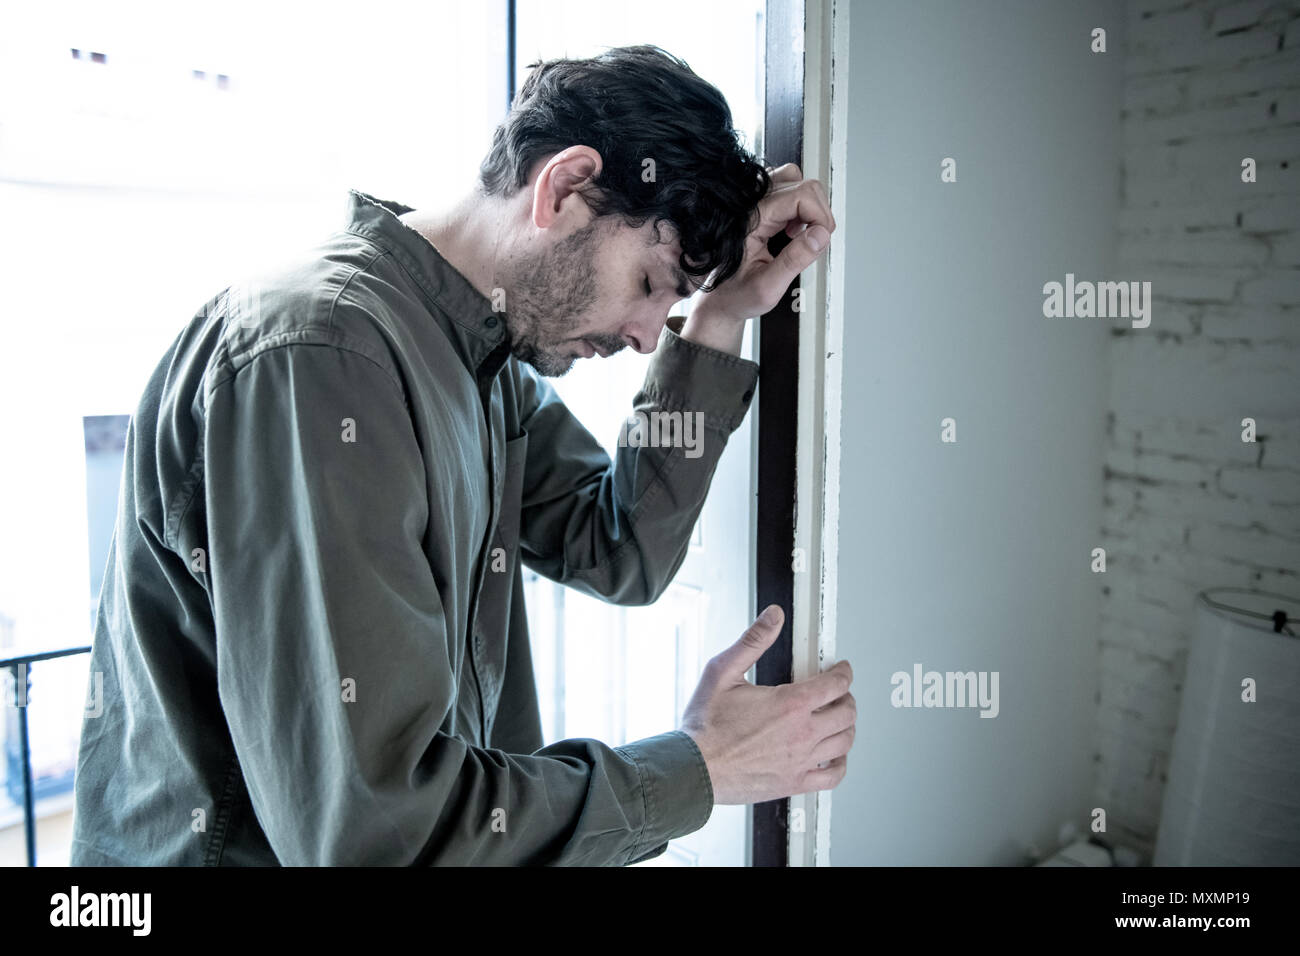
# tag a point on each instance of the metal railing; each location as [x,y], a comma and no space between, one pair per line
[20,667]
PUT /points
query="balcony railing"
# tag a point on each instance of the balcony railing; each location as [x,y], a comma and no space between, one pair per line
[20,667]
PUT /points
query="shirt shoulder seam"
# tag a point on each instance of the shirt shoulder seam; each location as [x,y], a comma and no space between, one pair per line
[403,260]
[379,253]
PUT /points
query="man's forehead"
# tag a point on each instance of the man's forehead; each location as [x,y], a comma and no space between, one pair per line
[665,245]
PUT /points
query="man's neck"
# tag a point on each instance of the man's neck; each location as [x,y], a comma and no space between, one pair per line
[468,234]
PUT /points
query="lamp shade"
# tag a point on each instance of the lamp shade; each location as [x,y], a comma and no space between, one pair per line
[1233,792]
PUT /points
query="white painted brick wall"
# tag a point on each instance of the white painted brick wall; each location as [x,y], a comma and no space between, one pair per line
[1188,505]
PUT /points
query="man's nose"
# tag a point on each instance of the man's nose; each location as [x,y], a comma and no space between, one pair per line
[644,336]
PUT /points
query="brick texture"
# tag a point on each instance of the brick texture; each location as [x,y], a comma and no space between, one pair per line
[1188,504]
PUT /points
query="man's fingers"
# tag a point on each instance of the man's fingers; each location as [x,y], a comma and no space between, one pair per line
[836,745]
[794,258]
[827,778]
[803,202]
[828,686]
[737,659]
[837,716]
[786,173]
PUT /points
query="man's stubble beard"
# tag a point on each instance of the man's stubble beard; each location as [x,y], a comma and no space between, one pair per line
[547,294]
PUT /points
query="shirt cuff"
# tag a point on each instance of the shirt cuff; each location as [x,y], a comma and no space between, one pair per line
[688,377]
[675,787]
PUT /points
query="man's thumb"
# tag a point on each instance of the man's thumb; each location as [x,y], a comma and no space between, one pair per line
[758,637]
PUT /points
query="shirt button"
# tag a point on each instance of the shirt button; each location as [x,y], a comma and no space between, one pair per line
[491,322]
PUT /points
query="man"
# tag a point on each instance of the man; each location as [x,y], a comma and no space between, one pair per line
[312,636]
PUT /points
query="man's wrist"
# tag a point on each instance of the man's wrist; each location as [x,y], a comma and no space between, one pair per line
[689,376]
[713,330]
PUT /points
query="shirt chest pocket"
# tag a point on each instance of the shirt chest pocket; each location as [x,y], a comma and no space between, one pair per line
[492,624]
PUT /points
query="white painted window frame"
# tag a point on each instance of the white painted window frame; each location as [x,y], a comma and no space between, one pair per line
[826,65]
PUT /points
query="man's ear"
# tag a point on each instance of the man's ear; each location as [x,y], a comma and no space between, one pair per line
[555,193]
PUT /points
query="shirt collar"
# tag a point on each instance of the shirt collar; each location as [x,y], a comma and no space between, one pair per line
[465,314]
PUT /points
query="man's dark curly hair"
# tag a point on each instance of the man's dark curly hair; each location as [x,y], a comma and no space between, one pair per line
[631,104]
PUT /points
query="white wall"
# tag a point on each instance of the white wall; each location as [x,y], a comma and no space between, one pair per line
[1189,505]
[973,555]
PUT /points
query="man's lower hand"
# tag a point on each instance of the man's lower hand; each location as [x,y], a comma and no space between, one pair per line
[764,743]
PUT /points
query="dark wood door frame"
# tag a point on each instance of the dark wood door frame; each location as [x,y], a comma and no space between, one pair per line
[778,342]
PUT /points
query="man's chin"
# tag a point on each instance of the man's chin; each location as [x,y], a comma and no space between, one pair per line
[549,364]
[557,369]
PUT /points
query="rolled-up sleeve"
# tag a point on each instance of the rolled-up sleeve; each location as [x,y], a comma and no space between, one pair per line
[620,530]
[335,658]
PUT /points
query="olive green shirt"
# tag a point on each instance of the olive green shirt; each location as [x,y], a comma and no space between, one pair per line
[312,637]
